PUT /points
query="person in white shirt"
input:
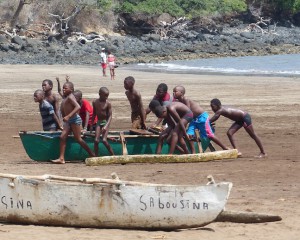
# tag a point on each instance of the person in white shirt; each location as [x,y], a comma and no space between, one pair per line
[103,61]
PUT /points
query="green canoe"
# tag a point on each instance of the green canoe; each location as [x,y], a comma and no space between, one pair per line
[44,146]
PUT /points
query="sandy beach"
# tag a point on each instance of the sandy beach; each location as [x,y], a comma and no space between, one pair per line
[269,185]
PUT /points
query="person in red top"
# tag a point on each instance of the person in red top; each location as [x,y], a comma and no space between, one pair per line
[164,99]
[85,112]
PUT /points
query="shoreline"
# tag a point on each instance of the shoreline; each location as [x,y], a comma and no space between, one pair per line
[259,185]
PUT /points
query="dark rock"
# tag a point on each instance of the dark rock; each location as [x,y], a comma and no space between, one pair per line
[15,47]
[17,40]
[248,35]
[4,47]
[3,39]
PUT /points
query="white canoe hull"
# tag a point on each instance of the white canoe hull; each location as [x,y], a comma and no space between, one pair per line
[109,203]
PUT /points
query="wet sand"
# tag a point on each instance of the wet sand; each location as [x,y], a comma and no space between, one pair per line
[268,185]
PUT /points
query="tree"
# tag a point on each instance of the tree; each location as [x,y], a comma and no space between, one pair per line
[18,11]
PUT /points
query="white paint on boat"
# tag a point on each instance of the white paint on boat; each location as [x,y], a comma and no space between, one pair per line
[108,203]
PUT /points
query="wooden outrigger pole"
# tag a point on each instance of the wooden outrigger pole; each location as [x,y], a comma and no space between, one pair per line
[163,158]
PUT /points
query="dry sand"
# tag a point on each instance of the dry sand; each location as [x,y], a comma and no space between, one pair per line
[268,185]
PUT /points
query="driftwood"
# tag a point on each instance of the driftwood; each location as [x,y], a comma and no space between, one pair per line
[246,217]
[169,30]
[63,22]
[165,158]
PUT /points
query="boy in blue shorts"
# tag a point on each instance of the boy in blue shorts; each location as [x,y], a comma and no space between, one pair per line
[72,122]
[200,121]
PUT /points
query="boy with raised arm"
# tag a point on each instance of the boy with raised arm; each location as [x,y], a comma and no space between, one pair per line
[102,109]
[136,104]
[240,118]
[72,122]
[58,85]
[50,120]
[200,121]
[181,115]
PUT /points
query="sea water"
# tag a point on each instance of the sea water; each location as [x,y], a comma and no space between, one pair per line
[273,65]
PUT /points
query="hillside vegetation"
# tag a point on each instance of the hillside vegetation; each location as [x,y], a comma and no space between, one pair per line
[107,16]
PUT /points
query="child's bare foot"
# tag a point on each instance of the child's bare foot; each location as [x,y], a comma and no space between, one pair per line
[239,154]
[261,155]
[58,161]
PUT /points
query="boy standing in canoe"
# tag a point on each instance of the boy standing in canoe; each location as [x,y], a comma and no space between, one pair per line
[72,122]
[175,112]
[50,120]
[136,104]
[241,119]
[102,109]
[200,121]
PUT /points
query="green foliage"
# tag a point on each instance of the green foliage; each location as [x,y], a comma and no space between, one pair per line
[286,5]
[104,4]
[190,8]
[195,8]
[152,7]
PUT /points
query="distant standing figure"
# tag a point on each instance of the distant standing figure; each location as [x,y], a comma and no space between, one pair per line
[103,61]
[241,119]
[111,59]
[102,109]
[135,100]
[72,122]
[50,120]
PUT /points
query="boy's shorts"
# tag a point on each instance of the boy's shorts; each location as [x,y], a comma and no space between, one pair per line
[76,119]
[202,123]
[103,65]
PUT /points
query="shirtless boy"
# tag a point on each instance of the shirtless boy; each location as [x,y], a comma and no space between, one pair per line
[102,109]
[52,98]
[136,104]
[200,121]
[241,119]
[179,113]
[72,122]
[50,120]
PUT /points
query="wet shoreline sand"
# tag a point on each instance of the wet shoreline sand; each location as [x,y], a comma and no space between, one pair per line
[268,185]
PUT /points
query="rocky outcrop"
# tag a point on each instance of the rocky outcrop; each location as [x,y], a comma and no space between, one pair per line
[195,43]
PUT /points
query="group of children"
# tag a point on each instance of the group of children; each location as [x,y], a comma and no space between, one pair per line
[181,116]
